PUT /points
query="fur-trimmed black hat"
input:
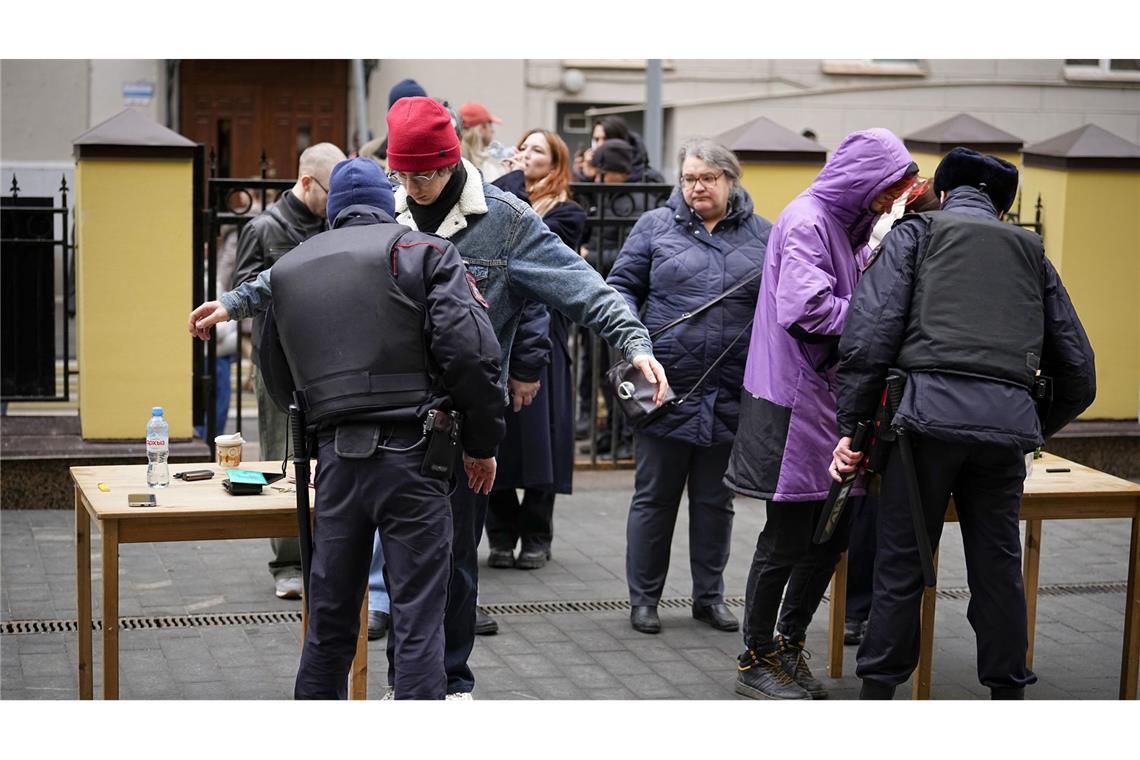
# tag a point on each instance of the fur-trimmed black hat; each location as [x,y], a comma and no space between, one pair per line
[995,177]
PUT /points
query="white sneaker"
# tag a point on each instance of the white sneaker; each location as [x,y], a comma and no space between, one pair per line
[463,696]
[390,693]
[289,587]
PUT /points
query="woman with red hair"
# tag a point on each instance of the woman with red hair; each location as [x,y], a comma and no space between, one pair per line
[537,454]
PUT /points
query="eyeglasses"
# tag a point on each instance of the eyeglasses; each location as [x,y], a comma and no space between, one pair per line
[708,180]
[321,186]
[404,179]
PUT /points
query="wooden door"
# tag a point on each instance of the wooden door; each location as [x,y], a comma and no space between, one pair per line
[239,108]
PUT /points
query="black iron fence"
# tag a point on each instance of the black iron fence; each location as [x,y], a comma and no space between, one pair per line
[230,204]
[34,233]
[611,212]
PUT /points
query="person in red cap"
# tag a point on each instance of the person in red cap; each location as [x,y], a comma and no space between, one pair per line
[479,145]
[511,257]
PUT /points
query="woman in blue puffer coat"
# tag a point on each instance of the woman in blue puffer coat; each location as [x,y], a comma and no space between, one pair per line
[677,259]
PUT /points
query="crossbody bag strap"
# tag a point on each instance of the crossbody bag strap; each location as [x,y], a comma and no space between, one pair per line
[690,314]
[712,366]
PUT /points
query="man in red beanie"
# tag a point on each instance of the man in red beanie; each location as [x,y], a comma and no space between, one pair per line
[511,257]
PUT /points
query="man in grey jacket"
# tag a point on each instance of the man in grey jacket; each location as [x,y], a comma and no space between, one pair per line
[511,256]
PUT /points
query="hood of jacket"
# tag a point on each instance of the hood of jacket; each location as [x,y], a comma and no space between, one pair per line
[865,163]
[471,201]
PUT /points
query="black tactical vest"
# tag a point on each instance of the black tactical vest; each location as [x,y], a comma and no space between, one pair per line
[355,342]
[977,306]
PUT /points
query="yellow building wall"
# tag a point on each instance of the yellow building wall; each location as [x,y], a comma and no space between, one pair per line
[773,186]
[133,291]
[1101,256]
[1053,186]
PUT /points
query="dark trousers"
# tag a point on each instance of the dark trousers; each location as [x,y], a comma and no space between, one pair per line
[663,467]
[861,557]
[468,513]
[531,520]
[786,556]
[986,482]
[354,497]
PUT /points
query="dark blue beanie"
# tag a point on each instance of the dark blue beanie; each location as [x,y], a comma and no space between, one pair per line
[359,181]
[408,88]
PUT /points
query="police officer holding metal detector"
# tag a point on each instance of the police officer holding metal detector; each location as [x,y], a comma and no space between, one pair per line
[973,327]
[376,333]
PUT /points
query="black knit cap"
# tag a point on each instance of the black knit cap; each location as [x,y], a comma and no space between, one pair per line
[613,155]
[995,177]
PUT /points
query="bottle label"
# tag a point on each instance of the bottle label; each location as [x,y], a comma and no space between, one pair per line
[155,442]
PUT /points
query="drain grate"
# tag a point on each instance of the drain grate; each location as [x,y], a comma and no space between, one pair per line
[12,627]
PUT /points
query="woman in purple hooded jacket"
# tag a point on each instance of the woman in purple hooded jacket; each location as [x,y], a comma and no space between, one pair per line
[788,423]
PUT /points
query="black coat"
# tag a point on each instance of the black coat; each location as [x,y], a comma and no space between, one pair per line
[946,405]
[538,449]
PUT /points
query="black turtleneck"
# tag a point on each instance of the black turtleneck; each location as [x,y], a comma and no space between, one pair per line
[429,217]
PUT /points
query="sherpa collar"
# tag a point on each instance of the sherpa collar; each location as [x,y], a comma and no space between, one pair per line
[471,201]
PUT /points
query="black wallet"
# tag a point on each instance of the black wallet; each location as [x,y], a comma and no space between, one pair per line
[241,489]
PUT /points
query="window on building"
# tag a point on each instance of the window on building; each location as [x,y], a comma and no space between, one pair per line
[1127,69]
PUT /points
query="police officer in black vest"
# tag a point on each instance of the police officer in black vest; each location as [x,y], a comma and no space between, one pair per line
[376,326]
[971,309]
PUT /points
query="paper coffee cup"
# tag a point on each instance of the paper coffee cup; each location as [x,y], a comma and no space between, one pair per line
[228,448]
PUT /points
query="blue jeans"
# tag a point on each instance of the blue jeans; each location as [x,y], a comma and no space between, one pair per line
[222,367]
[378,600]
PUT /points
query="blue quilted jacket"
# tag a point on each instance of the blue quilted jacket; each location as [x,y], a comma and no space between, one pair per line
[671,264]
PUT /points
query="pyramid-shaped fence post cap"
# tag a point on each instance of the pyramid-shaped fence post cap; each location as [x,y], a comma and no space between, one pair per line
[1087,147]
[962,130]
[130,134]
[763,140]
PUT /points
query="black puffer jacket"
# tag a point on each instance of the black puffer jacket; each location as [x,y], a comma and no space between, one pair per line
[951,406]
[671,265]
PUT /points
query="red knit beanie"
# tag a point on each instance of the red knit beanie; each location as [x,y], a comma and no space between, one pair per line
[420,136]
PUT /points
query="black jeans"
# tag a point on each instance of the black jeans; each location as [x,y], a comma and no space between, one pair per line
[531,520]
[987,482]
[786,556]
[664,466]
[354,497]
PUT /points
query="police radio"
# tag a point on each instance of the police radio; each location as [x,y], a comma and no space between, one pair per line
[442,432]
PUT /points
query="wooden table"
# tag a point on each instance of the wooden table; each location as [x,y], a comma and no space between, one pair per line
[198,511]
[1080,494]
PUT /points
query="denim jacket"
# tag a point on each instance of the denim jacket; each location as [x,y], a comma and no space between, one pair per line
[513,257]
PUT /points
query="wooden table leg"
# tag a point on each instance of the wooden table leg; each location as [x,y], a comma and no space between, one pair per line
[83,595]
[358,674]
[110,609]
[1032,562]
[921,685]
[836,613]
[1130,657]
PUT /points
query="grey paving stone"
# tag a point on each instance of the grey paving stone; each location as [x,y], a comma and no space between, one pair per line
[564,653]
[622,663]
[650,686]
[555,688]
[591,677]
[595,641]
[531,665]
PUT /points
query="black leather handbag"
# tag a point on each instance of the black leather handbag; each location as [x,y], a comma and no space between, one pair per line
[634,393]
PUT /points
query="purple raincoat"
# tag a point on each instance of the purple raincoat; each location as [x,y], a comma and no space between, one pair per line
[788,426]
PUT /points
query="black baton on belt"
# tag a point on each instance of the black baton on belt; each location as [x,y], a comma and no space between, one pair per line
[301,473]
[892,396]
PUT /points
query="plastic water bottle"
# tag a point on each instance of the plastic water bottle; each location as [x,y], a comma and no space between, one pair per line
[157,450]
